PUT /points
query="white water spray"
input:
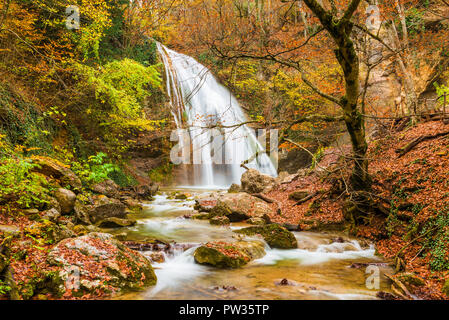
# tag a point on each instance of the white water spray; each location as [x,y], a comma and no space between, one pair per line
[200,102]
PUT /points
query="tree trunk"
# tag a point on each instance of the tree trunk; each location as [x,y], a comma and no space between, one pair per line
[341,30]
[355,124]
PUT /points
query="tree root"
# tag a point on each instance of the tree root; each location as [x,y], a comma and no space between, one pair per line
[414,143]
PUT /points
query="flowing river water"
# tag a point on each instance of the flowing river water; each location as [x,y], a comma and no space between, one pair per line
[320,268]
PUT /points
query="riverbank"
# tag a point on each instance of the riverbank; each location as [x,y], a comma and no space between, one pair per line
[411,188]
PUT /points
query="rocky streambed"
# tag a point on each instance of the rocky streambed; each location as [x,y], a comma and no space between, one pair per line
[198,256]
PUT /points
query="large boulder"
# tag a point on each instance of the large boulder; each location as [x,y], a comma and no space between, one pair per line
[97,261]
[253,181]
[241,206]
[66,199]
[98,208]
[48,231]
[132,204]
[51,215]
[295,159]
[82,208]
[108,188]
[275,235]
[54,169]
[228,255]
[115,223]
[146,192]
[205,204]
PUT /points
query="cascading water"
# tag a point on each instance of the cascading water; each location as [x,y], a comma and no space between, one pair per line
[200,102]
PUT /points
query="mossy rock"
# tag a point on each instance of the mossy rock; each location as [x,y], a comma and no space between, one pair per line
[181,196]
[275,235]
[200,216]
[213,256]
[257,221]
[229,255]
[411,278]
[234,188]
[100,256]
[80,230]
[116,223]
[219,221]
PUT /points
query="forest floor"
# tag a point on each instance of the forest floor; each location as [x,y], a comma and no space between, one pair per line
[414,188]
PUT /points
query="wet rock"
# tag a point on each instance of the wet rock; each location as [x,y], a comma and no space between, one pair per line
[285,282]
[275,235]
[225,288]
[256,221]
[115,223]
[291,227]
[132,204]
[66,199]
[52,168]
[153,248]
[219,221]
[51,215]
[205,204]
[108,187]
[241,206]
[253,181]
[228,255]
[121,236]
[234,188]
[100,256]
[146,192]
[386,296]
[358,265]
[181,196]
[157,257]
[200,216]
[339,240]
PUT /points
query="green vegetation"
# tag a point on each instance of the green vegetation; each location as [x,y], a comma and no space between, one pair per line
[436,232]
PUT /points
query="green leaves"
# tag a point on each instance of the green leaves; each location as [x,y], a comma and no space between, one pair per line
[99,170]
[19,184]
[121,86]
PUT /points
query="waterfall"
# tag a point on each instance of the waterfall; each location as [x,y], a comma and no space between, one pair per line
[200,102]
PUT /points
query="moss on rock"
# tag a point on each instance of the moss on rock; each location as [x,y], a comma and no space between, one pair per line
[275,235]
[228,255]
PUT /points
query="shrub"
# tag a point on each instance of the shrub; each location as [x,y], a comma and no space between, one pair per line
[18,184]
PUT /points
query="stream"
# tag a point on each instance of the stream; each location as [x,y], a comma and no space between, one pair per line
[320,268]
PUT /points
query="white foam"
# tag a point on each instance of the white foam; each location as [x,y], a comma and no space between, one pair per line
[177,270]
[323,253]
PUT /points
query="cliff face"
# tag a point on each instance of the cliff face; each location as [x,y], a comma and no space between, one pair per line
[405,66]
